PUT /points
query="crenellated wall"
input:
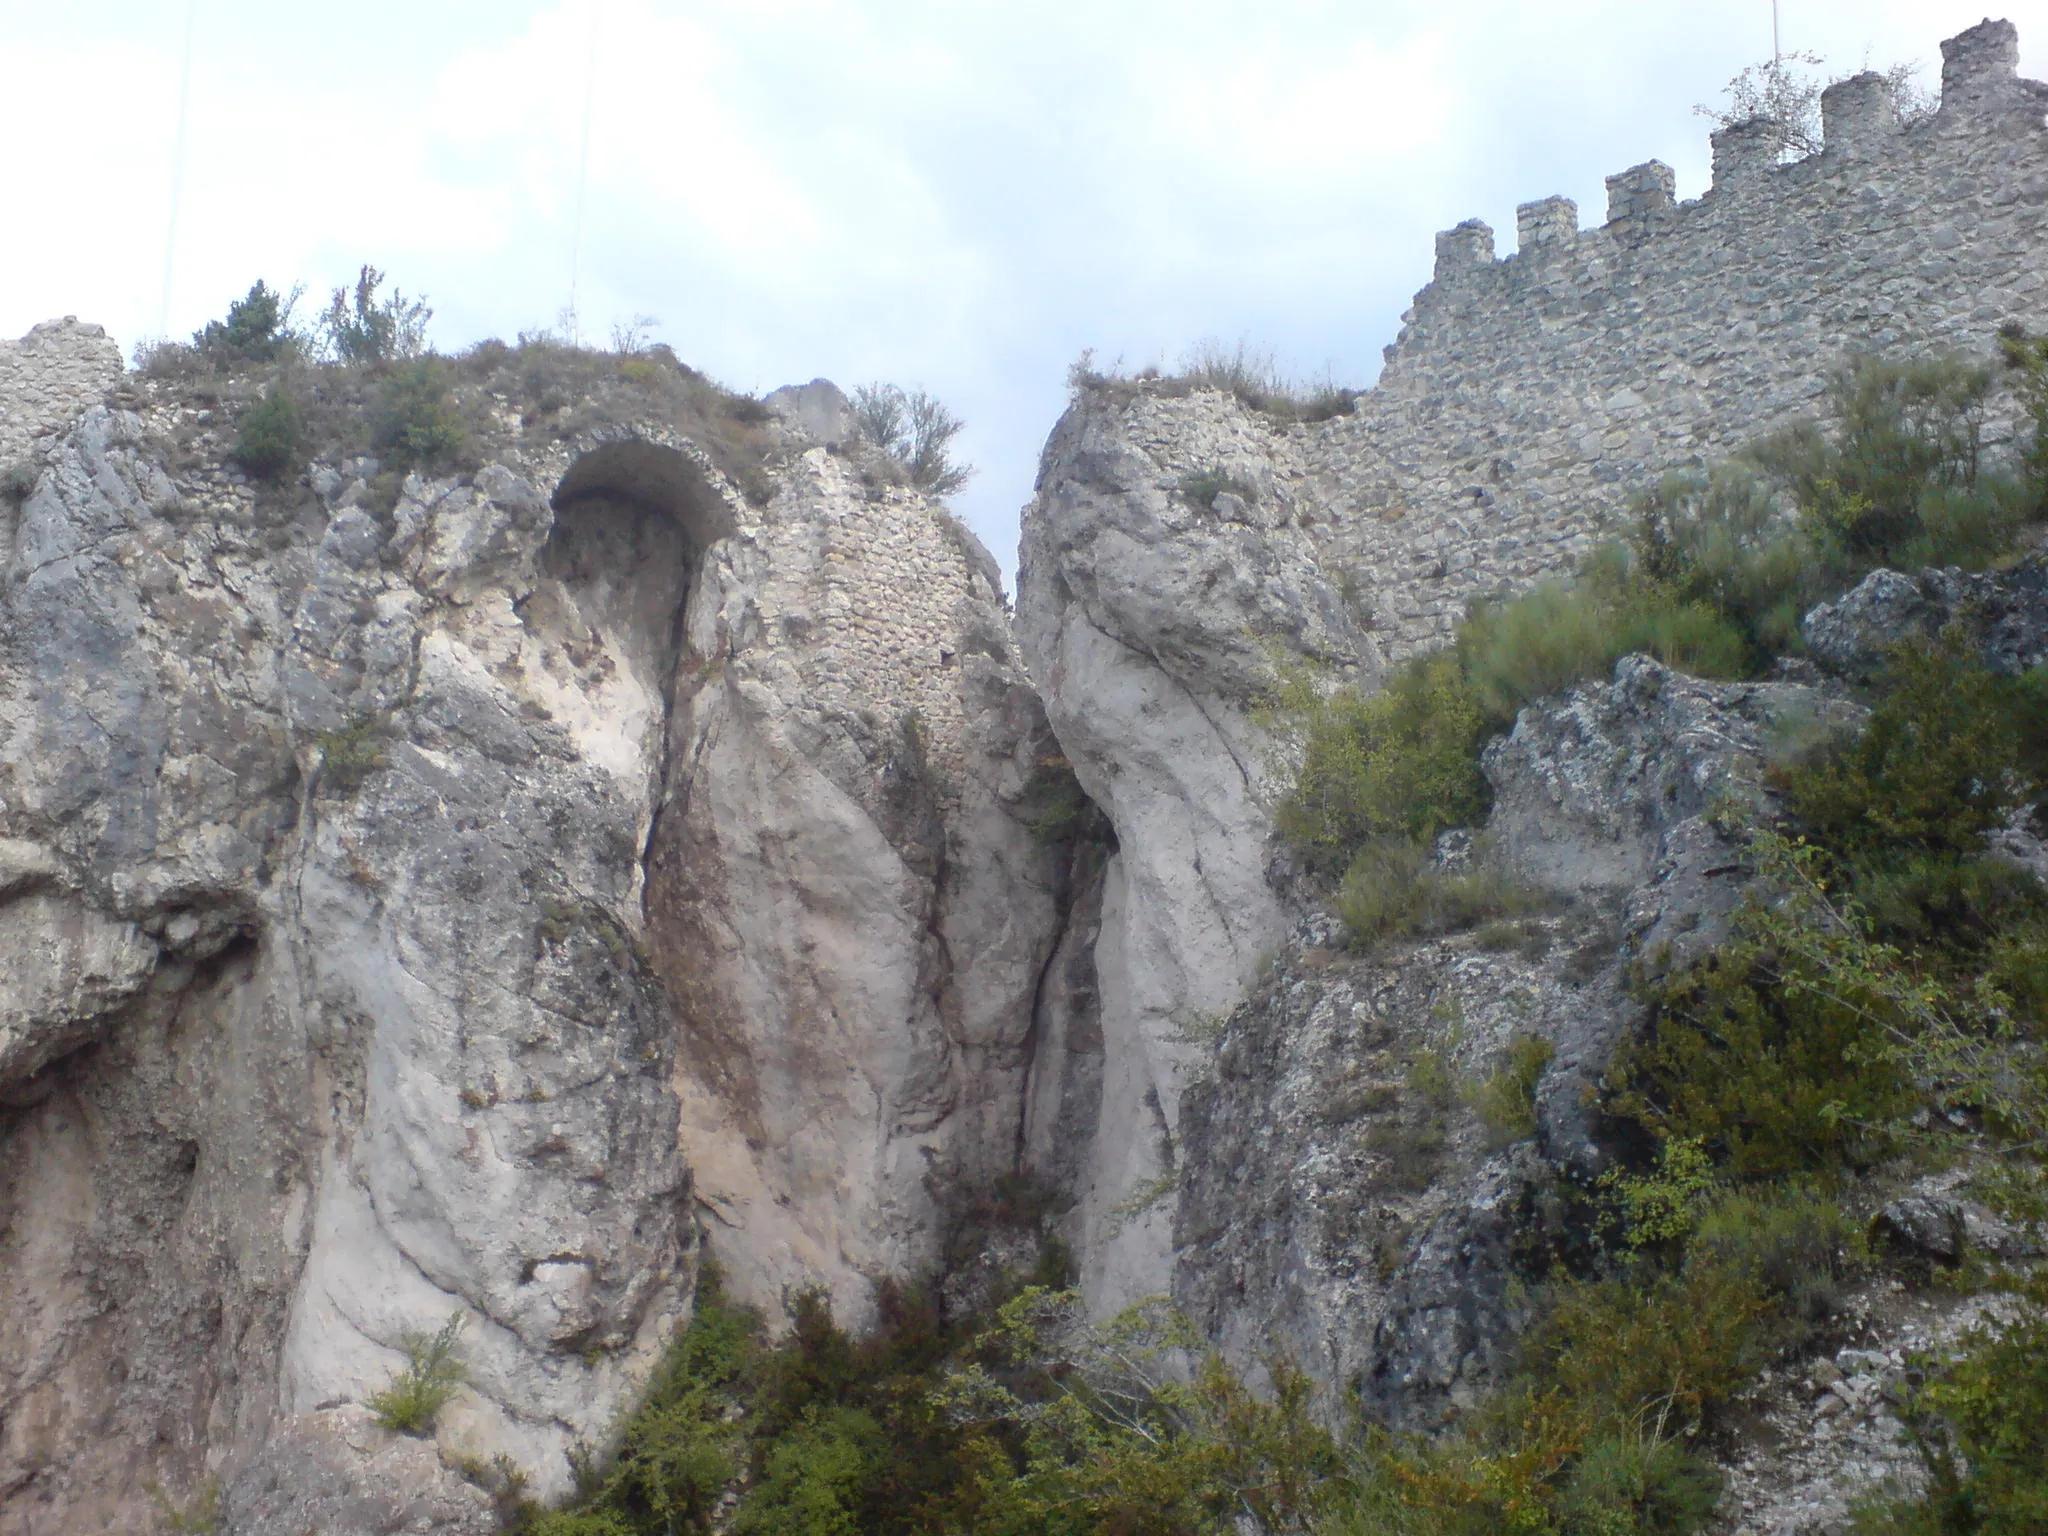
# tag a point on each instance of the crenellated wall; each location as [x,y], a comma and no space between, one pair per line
[1528,398]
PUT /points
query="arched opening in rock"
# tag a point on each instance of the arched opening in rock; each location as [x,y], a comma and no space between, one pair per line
[632,520]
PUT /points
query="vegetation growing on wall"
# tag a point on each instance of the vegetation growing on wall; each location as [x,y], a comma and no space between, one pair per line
[1711,579]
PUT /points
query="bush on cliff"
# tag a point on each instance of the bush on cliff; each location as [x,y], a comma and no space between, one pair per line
[258,327]
[1712,579]
[1399,763]
[416,417]
[270,434]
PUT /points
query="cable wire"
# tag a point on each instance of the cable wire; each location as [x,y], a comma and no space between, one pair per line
[163,315]
[582,181]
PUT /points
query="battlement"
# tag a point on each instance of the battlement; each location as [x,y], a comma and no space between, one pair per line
[1530,396]
[1982,96]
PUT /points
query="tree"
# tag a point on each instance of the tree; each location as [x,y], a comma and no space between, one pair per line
[916,429]
[360,327]
[258,326]
[1787,91]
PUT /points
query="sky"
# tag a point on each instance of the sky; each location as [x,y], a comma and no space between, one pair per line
[955,196]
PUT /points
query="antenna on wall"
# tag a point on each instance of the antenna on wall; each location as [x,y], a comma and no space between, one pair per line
[582,180]
[163,315]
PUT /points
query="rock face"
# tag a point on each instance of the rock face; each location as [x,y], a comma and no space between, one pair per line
[429,908]
[1343,1204]
[481,896]
[1181,546]
[1147,608]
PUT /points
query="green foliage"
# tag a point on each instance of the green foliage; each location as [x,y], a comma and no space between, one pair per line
[1400,763]
[1205,485]
[1900,479]
[199,1515]
[258,326]
[2026,361]
[1663,1206]
[1980,1423]
[416,418]
[815,1476]
[1394,889]
[270,434]
[1718,540]
[1505,1100]
[433,1370]
[1558,634]
[1934,769]
[358,326]
[1059,811]
[1753,1052]
[917,430]
[349,756]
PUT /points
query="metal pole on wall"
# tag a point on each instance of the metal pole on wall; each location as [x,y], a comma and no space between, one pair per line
[1777,53]
[163,315]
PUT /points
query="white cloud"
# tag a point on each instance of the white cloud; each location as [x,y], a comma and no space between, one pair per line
[960,196]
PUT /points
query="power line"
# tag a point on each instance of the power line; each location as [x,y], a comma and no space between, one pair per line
[582,180]
[163,317]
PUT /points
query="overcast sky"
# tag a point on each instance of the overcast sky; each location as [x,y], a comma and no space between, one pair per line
[952,195]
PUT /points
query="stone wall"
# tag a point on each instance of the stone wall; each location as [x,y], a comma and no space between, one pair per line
[1528,398]
[49,376]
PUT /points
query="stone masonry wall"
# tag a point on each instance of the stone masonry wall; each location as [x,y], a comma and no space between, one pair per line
[49,376]
[1528,399]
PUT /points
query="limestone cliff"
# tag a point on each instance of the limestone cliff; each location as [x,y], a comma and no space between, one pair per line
[486,892]
[447,896]
[1182,544]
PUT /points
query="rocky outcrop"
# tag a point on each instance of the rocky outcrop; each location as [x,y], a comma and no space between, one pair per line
[2002,614]
[1182,545]
[441,905]
[1343,1203]
[1152,606]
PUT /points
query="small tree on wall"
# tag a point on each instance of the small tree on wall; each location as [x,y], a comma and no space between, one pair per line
[916,429]
[1787,91]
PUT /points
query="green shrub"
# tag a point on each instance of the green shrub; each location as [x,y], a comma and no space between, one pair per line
[1394,889]
[1900,479]
[1980,1425]
[1505,1100]
[1802,1249]
[1059,811]
[1934,768]
[433,1370]
[1400,763]
[415,417]
[270,434]
[257,329]
[1773,1071]
[2026,361]
[1203,487]
[1558,634]
[1718,540]
[815,1476]
[360,327]
[349,756]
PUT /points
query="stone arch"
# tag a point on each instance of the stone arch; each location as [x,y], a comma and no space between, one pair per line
[632,521]
[656,477]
